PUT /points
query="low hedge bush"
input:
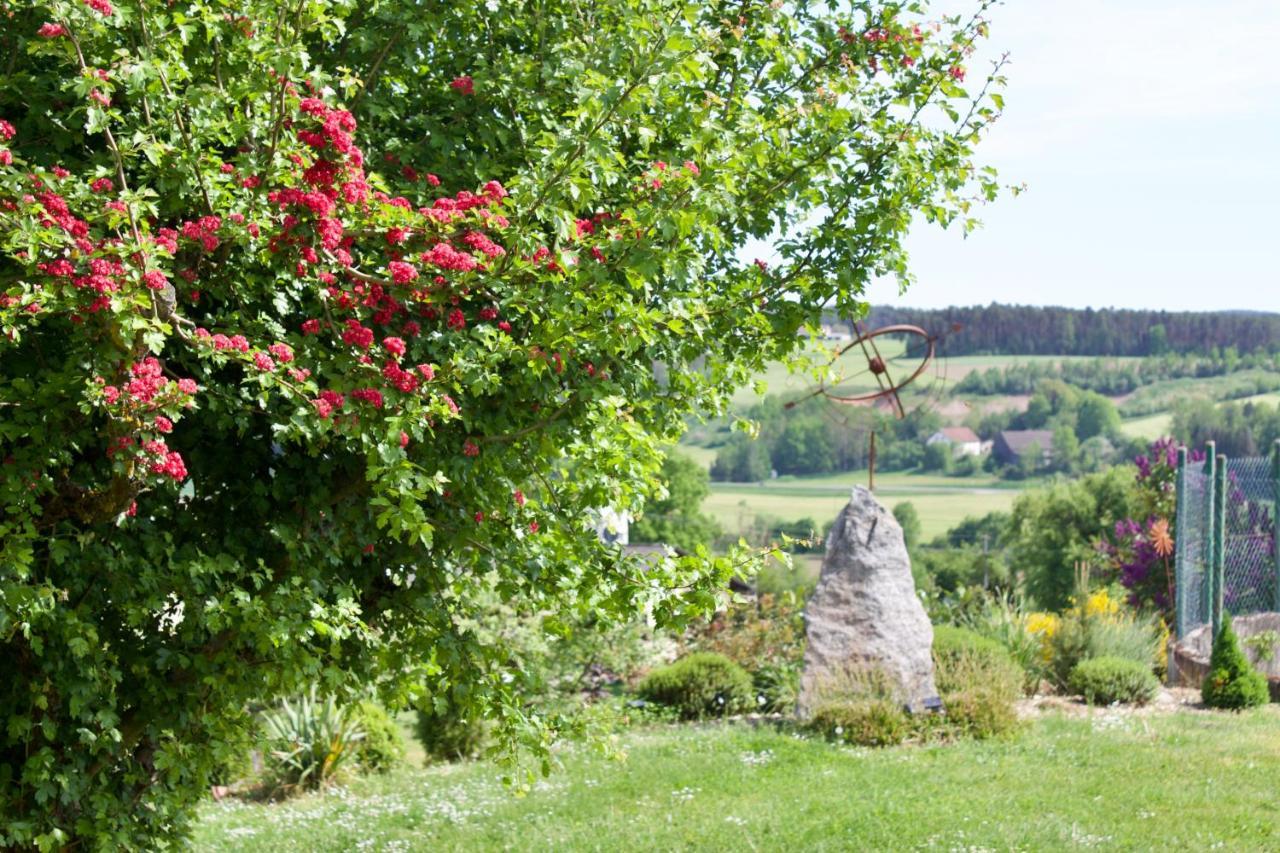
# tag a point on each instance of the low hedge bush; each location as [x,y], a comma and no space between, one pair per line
[951,643]
[869,722]
[382,747]
[1084,636]
[978,682]
[445,736]
[1104,680]
[700,685]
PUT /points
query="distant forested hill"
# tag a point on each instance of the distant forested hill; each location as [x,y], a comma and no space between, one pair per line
[1033,330]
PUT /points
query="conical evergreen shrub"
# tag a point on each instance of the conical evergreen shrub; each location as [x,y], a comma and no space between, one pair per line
[1232,681]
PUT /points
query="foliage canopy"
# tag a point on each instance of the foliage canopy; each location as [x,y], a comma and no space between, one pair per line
[275,412]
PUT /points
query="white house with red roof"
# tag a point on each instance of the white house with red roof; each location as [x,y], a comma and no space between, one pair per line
[963,441]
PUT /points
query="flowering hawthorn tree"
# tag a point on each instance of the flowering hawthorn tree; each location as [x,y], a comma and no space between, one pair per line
[321,323]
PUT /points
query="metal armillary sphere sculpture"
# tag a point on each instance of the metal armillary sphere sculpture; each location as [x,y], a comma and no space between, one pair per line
[888,388]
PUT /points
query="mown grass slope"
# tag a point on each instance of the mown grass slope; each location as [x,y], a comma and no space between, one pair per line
[1188,781]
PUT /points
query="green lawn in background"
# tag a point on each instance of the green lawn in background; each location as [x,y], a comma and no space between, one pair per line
[890,481]
[1188,781]
[1149,427]
[1158,425]
[940,507]
[704,456]
[853,364]
[1270,399]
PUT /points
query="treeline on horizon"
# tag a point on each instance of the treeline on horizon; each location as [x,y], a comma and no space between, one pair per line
[1035,330]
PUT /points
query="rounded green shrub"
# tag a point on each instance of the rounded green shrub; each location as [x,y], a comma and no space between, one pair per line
[448,736]
[1084,636]
[1104,680]
[978,712]
[700,685]
[1232,682]
[962,656]
[383,746]
[866,722]
[978,682]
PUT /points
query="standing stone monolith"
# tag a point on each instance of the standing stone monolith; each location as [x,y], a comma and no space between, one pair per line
[864,616]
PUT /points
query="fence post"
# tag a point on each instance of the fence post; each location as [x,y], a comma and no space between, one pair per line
[1275,515]
[1206,584]
[1219,539]
[1180,520]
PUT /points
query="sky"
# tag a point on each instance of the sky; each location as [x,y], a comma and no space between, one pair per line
[1148,134]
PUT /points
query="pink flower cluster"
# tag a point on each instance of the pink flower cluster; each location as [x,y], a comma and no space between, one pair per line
[204,231]
[402,273]
[147,382]
[146,390]
[163,461]
[7,132]
[220,342]
[357,335]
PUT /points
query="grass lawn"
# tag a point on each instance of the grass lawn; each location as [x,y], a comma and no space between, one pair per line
[1186,781]
[1269,399]
[1158,425]
[1149,427]
[942,502]
[893,481]
[852,364]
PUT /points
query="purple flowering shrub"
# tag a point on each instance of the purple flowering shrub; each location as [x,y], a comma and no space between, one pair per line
[1141,549]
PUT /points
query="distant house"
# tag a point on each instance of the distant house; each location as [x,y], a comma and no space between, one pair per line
[836,332]
[1012,444]
[613,527]
[963,441]
[828,331]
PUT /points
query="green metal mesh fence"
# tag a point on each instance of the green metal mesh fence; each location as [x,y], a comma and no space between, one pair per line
[1249,557]
[1195,502]
[1249,570]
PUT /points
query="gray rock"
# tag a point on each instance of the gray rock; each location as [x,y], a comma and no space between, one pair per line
[865,626]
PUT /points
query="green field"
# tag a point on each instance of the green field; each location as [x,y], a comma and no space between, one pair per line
[1186,781]
[733,506]
[852,368]
[942,502]
[1149,427]
[1269,399]
[1158,425]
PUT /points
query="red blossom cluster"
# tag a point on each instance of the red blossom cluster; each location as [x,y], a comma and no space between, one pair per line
[430,255]
[7,132]
[163,461]
[141,397]
[203,231]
